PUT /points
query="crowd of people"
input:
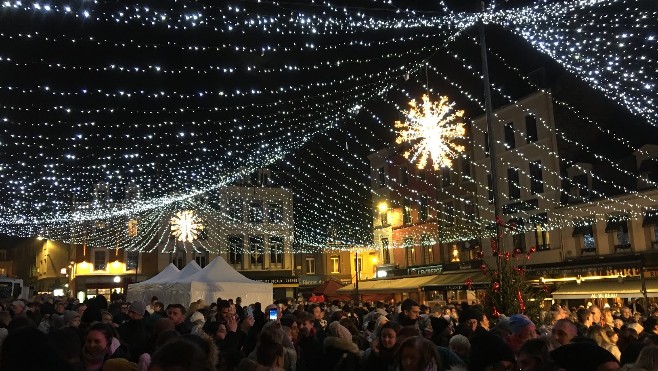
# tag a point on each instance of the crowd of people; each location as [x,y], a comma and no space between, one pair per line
[48,333]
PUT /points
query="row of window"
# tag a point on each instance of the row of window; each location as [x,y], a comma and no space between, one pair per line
[619,231]
[309,265]
[531,134]
[256,212]
[100,260]
[254,249]
[514,182]
[445,174]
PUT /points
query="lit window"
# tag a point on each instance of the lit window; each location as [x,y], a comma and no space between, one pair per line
[235,209]
[275,213]
[335,264]
[310,265]
[256,212]
[100,260]
[409,251]
[132,260]
[276,250]
[385,253]
[235,247]
[256,249]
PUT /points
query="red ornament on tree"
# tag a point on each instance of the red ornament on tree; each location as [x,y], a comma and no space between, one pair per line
[495,313]
[469,284]
[519,297]
[496,286]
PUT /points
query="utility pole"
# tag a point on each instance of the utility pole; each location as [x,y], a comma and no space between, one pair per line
[490,129]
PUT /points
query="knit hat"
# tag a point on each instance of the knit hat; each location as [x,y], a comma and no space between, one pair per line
[339,330]
[581,356]
[119,364]
[19,303]
[517,322]
[197,316]
[70,315]
[137,307]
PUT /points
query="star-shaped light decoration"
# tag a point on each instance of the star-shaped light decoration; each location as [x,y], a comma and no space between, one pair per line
[186,226]
[431,128]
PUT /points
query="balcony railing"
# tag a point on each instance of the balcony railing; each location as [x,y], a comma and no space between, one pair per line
[588,252]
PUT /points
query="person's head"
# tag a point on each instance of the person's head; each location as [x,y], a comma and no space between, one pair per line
[305,320]
[484,322]
[534,354]
[651,325]
[584,317]
[181,353]
[521,328]
[564,331]
[136,310]
[617,323]
[470,319]
[223,310]
[607,317]
[648,358]
[269,352]
[106,317]
[600,336]
[80,308]
[417,353]
[238,300]
[18,307]
[584,355]
[124,308]
[388,334]
[596,314]
[625,313]
[60,308]
[316,311]
[176,313]
[71,318]
[410,309]
[157,306]
[460,345]
[98,339]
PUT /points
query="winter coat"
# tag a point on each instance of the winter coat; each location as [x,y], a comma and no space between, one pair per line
[340,354]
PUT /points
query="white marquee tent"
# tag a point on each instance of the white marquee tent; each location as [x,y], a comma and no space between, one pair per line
[156,285]
[217,280]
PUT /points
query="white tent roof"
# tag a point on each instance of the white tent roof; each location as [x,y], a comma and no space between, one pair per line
[217,271]
[166,275]
[190,269]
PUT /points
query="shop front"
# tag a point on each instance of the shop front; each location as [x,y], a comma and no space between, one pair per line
[395,290]
[457,287]
[606,292]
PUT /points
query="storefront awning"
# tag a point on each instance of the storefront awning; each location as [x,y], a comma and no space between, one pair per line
[408,284]
[607,288]
[650,218]
[457,281]
[614,225]
[582,230]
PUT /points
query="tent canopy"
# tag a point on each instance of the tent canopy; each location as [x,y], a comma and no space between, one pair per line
[217,280]
[166,275]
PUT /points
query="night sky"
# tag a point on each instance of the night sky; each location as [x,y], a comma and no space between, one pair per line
[173,107]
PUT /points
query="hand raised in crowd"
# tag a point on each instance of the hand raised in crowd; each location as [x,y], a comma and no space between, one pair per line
[232,324]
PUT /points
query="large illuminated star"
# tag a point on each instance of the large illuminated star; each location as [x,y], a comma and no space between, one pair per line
[431,128]
[185,226]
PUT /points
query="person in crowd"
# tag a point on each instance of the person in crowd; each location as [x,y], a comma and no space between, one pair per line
[417,353]
[626,315]
[136,332]
[564,331]
[534,355]
[27,348]
[151,306]
[584,321]
[521,330]
[71,319]
[18,308]
[381,354]
[99,346]
[608,319]
[176,313]
[597,316]
[158,309]
[340,352]
[646,360]
[181,354]
[584,356]
[461,346]
[602,339]
[122,315]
